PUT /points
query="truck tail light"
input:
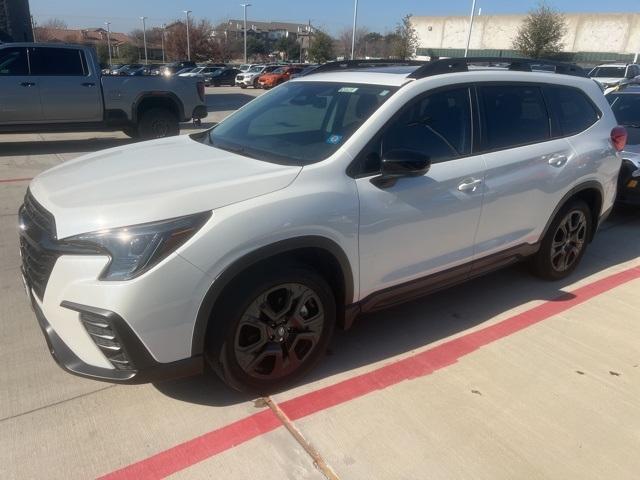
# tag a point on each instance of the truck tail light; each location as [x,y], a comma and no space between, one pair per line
[619,138]
[200,87]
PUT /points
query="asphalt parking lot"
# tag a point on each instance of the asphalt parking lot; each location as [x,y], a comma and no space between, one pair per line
[503,377]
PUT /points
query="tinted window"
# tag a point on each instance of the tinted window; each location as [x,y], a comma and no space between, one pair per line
[299,122]
[514,115]
[13,61]
[57,61]
[437,125]
[571,108]
[626,108]
[608,72]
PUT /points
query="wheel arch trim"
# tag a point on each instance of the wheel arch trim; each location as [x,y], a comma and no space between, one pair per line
[256,256]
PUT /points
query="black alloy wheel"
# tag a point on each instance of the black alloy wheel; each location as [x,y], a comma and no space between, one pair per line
[277,323]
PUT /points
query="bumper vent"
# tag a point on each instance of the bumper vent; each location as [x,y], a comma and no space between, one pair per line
[104,336]
[37,239]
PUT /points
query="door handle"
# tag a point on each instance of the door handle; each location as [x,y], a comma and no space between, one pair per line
[88,84]
[558,160]
[28,84]
[470,185]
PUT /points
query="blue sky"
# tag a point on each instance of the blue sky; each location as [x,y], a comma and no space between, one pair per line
[333,15]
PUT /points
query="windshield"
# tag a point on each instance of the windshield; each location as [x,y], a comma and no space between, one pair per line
[299,123]
[197,70]
[279,70]
[608,72]
[255,69]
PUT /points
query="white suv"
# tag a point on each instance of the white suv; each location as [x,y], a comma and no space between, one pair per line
[338,193]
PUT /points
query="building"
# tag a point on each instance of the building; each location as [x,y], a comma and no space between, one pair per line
[234,29]
[590,38]
[15,21]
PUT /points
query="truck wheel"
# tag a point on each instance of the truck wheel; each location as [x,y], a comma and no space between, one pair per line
[243,86]
[131,132]
[565,242]
[256,84]
[158,123]
[276,327]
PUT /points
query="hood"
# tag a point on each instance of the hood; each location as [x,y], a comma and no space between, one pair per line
[608,80]
[151,181]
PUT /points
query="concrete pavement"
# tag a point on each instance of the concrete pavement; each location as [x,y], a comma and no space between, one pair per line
[555,399]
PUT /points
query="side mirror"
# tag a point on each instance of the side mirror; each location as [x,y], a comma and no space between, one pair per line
[405,163]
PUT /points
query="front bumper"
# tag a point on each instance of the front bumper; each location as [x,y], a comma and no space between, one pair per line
[141,367]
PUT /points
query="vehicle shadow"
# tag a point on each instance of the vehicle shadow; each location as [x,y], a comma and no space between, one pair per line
[45,147]
[413,325]
[227,101]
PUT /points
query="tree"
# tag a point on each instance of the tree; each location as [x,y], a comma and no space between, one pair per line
[344,42]
[541,32]
[45,32]
[321,49]
[201,44]
[129,53]
[256,47]
[289,47]
[405,42]
[102,50]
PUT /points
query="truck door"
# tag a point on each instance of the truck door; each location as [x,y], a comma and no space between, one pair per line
[70,88]
[19,92]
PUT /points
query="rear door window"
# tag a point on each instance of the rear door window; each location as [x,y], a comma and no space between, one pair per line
[67,62]
[13,61]
[513,115]
[571,109]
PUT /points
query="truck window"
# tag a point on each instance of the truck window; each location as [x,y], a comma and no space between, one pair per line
[13,61]
[58,61]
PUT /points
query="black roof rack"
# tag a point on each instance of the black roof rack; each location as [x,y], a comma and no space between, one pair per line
[451,65]
[355,64]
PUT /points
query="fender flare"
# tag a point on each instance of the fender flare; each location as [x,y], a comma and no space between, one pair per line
[146,95]
[259,255]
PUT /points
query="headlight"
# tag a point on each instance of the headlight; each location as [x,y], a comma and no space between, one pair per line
[136,249]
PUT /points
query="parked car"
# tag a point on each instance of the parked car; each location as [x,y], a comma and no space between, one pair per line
[173,68]
[126,69]
[114,68]
[56,87]
[340,193]
[278,76]
[184,72]
[245,67]
[613,74]
[201,72]
[625,104]
[226,76]
[250,77]
[151,69]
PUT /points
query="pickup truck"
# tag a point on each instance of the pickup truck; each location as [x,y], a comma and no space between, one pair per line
[48,87]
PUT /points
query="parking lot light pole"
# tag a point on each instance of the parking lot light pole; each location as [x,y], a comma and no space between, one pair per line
[244,7]
[353,35]
[187,12]
[163,26]
[144,39]
[473,14]
[108,24]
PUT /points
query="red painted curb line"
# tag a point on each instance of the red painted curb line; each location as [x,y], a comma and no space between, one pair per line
[11,180]
[210,444]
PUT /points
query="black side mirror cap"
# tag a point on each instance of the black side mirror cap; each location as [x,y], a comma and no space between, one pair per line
[405,163]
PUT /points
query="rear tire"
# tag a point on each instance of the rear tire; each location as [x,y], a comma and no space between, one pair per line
[275,328]
[243,86]
[565,242]
[158,123]
[256,84]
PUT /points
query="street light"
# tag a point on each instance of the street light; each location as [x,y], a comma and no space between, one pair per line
[144,39]
[108,24]
[244,6]
[473,13]
[163,26]
[187,12]
[353,35]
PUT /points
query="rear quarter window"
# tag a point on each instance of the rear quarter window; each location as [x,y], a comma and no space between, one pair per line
[572,111]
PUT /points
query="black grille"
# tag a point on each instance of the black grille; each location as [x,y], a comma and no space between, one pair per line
[37,244]
[104,336]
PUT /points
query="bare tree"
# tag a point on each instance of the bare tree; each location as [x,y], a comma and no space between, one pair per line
[541,33]
[344,42]
[200,40]
[46,31]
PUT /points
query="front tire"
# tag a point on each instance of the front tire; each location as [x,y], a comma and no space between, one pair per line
[565,242]
[158,123]
[276,328]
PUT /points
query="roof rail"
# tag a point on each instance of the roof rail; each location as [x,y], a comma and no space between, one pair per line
[451,65]
[355,64]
